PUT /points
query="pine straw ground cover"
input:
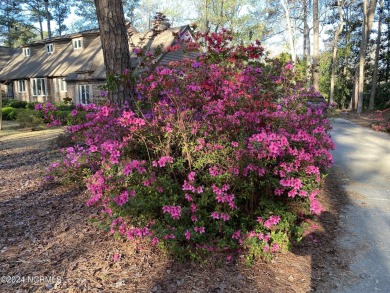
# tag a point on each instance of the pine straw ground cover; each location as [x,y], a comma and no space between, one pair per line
[377,120]
[45,238]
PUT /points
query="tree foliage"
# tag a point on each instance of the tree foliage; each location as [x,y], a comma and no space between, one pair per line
[14,27]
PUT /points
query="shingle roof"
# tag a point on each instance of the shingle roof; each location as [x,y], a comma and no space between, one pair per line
[85,64]
[64,37]
[90,66]
[165,38]
[94,68]
[6,53]
[62,62]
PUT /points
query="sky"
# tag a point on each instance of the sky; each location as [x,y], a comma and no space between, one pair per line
[275,45]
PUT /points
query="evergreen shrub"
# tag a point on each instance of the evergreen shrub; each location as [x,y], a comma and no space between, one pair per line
[221,153]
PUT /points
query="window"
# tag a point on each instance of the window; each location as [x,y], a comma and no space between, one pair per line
[50,48]
[26,52]
[38,86]
[10,91]
[85,94]
[22,86]
[62,85]
[77,44]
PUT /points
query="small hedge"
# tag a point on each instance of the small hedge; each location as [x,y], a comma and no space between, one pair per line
[18,104]
[15,113]
[28,118]
[31,106]
[6,113]
[6,102]
[63,107]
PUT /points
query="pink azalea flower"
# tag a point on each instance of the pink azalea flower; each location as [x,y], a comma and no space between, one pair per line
[116,256]
[275,247]
[237,234]
[215,215]
[289,66]
[273,220]
[191,176]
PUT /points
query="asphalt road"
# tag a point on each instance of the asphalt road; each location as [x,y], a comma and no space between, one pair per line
[362,157]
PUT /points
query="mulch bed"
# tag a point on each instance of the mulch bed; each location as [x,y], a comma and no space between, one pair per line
[371,119]
[46,238]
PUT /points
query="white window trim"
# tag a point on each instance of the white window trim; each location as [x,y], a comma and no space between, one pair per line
[48,46]
[26,52]
[90,96]
[22,89]
[76,43]
[35,90]
[62,85]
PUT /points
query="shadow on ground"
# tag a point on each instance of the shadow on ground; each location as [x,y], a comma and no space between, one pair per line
[44,232]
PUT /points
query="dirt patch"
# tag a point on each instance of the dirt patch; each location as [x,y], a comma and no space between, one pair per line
[47,243]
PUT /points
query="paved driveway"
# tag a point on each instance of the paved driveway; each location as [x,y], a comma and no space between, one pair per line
[362,158]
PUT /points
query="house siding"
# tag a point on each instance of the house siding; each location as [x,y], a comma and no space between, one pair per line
[23,96]
[5,92]
[79,67]
[36,50]
[58,95]
[87,40]
[73,91]
[58,46]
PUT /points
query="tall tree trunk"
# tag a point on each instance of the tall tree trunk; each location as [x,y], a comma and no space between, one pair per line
[375,74]
[388,49]
[355,90]
[220,15]
[1,110]
[113,35]
[290,31]
[7,16]
[346,74]
[369,13]
[306,43]
[335,47]
[316,41]
[309,60]
[40,24]
[48,18]
[207,16]
[305,29]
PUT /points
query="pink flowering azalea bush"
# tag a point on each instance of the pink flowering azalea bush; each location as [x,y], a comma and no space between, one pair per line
[221,153]
[382,122]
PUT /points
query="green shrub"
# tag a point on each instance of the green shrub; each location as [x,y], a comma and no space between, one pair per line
[6,102]
[14,113]
[29,118]
[6,112]
[219,154]
[31,106]
[68,100]
[62,107]
[63,115]
[77,117]
[18,104]
[382,96]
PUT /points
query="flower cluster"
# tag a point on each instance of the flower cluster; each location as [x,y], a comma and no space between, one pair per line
[210,148]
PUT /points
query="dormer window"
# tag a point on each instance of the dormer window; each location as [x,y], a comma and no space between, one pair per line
[26,52]
[77,43]
[50,48]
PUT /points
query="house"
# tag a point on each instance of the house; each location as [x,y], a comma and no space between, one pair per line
[73,65]
[6,54]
